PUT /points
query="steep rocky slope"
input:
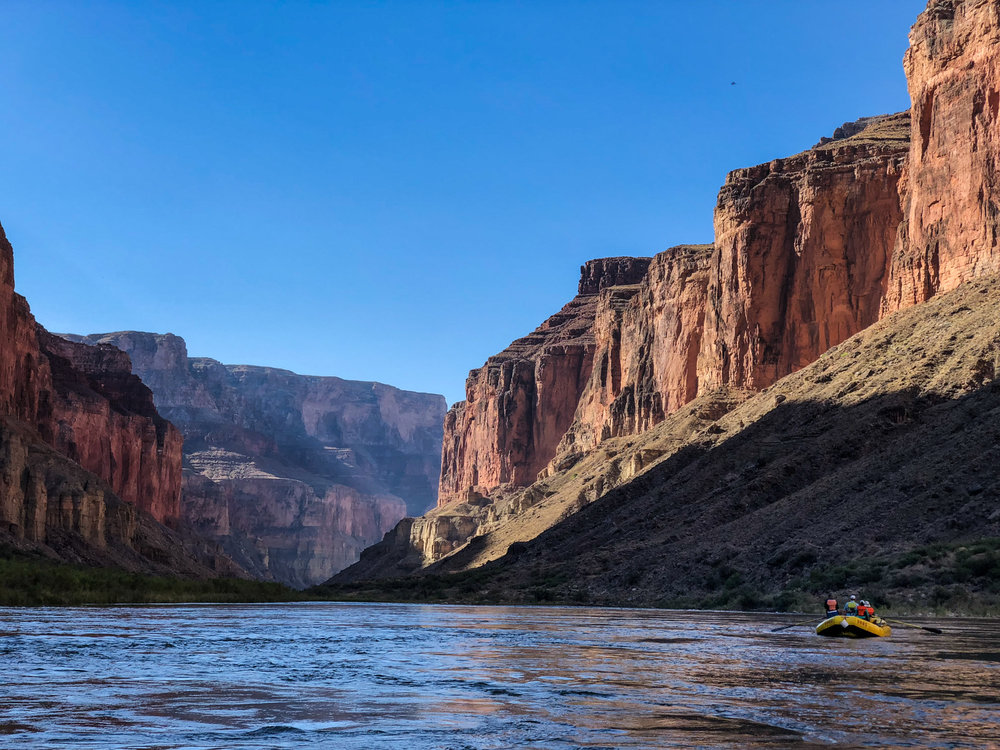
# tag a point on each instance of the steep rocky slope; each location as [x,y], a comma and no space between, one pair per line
[887,444]
[88,468]
[808,251]
[292,474]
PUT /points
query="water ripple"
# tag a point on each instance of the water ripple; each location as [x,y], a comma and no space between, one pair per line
[450,677]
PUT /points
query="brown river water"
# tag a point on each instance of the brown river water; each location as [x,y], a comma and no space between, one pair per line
[434,676]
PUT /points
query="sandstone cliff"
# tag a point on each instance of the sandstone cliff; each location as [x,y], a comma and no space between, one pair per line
[519,404]
[102,417]
[799,265]
[809,250]
[87,465]
[802,246]
[889,440]
[647,339]
[292,474]
[952,189]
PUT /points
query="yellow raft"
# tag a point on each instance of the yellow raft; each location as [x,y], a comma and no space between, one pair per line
[849,626]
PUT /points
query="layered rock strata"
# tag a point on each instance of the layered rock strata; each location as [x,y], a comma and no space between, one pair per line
[520,403]
[801,251]
[292,474]
[103,417]
[87,466]
[799,265]
[952,191]
[647,339]
[809,250]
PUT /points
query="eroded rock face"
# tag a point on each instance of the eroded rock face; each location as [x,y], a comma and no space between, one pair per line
[647,341]
[952,195]
[809,251]
[292,474]
[88,406]
[802,246]
[102,417]
[520,403]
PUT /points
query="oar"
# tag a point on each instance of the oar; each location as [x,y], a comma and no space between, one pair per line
[936,631]
[794,624]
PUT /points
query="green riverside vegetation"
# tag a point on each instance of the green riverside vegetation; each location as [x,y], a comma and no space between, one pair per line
[943,579]
[29,580]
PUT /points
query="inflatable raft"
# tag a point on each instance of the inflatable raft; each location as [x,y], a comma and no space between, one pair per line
[848,626]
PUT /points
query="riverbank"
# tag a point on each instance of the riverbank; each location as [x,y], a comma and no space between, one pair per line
[31,580]
[940,580]
[960,579]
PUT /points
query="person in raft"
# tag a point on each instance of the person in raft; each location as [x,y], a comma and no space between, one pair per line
[851,608]
[867,611]
[831,606]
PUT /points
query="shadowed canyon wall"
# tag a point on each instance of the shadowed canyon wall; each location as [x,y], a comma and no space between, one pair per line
[809,250]
[292,474]
[83,451]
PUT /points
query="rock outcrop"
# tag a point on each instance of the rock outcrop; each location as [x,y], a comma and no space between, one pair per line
[520,403]
[102,417]
[647,339]
[294,475]
[802,246]
[952,182]
[88,468]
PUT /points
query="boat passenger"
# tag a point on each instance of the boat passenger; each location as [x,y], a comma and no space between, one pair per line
[851,608]
[831,606]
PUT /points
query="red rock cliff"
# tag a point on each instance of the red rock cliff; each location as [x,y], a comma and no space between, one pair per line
[293,475]
[520,403]
[647,339]
[802,246]
[79,431]
[102,416]
[952,188]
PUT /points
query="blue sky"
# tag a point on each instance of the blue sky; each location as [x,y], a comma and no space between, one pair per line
[394,191]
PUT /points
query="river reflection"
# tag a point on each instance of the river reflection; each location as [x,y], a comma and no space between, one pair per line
[422,676]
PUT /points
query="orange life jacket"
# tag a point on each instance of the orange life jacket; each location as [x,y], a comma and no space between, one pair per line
[831,605]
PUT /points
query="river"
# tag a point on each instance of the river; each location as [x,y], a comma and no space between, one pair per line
[433,676]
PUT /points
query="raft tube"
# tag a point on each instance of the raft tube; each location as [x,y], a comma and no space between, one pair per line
[849,626]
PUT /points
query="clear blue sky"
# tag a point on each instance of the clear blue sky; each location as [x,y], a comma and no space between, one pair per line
[394,191]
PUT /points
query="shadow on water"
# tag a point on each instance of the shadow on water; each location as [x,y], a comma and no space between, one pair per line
[420,676]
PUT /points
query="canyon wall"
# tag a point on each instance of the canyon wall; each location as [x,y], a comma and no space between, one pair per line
[647,339]
[88,468]
[294,475]
[952,193]
[799,265]
[809,250]
[801,249]
[520,403]
[86,404]
[102,416]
